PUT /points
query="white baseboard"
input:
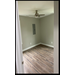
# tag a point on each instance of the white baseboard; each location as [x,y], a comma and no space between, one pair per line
[47,45]
[36,45]
[30,47]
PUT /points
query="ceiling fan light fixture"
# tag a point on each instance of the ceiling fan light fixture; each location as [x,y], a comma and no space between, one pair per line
[36,16]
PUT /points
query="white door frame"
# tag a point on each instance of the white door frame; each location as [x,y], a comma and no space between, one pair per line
[19,57]
[56,37]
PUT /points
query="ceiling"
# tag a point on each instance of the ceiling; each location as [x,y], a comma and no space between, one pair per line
[27,8]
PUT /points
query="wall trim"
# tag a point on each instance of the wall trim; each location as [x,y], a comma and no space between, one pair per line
[36,45]
[30,47]
[47,45]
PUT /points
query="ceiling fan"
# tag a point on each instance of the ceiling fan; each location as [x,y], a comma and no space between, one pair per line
[36,15]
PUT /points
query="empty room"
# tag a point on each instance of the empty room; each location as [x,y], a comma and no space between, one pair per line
[36,20]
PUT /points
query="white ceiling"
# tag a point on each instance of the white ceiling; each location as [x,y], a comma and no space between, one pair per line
[27,8]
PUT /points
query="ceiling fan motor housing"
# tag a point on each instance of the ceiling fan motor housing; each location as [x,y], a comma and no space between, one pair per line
[36,14]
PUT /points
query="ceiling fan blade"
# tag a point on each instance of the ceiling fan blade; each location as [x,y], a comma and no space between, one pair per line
[41,14]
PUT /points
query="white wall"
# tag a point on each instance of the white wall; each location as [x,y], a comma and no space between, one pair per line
[47,29]
[27,31]
[44,31]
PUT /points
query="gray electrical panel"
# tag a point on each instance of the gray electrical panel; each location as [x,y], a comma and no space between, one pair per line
[34,29]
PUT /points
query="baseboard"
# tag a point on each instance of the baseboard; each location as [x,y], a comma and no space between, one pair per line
[47,45]
[30,47]
[36,45]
